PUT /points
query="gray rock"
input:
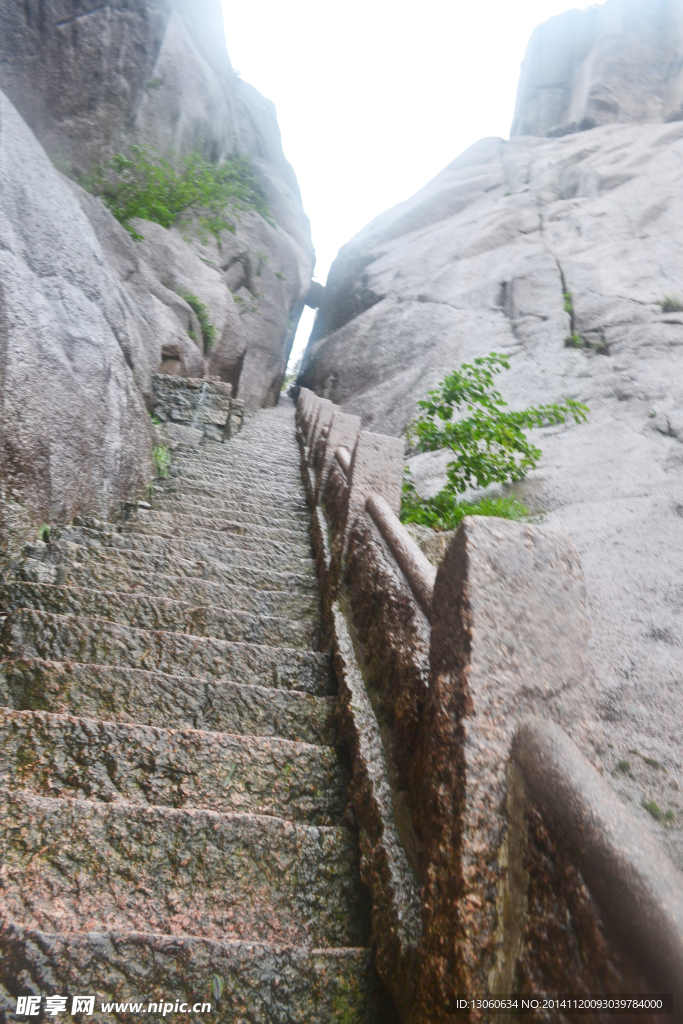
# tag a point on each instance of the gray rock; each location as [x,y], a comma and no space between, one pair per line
[75,432]
[156,72]
[616,61]
[479,261]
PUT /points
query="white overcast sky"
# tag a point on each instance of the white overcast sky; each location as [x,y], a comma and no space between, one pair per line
[375,97]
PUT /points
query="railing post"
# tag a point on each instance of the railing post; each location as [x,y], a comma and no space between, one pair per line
[376,468]
[509,638]
[343,433]
[326,412]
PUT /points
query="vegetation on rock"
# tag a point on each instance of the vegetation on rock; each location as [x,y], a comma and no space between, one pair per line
[671,304]
[162,459]
[203,314]
[144,184]
[489,443]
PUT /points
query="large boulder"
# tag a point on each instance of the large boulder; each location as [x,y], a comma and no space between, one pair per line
[92,80]
[617,61]
[75,436]
[567,255]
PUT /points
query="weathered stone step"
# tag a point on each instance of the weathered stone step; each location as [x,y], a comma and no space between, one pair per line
[77,866]
[256,536]
[61,756]
[264,983]
[236,490]
[145,612]
[228,551]
[254,457]
[283,501]
[254,513]
[122,579]
[66,552]
[115,694]
[185,524]
[35,634]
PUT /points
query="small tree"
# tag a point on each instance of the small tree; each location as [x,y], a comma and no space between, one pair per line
[490,444]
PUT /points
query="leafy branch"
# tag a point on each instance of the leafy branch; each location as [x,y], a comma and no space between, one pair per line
[489,444]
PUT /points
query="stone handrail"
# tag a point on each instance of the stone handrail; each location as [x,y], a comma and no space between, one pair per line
[419,572]
[486,826]
[343,457]
[633,882]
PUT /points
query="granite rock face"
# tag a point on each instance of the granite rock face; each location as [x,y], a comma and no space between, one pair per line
[75,350]
[615,62]
[560,253]
[91,80]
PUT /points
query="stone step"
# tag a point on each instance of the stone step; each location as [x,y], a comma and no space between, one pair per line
[281,502]
[253,457]
[115,694]
[36,634]
[262,982]
[61,756]
[122,579]
[258,463]
[77,866]
[65,553]
[185,524]
[227,551]
[145,612]
[236,490]
[215,529]
[247,513]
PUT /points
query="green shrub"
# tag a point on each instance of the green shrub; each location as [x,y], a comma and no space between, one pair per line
[490,445]
[445,512]
[568,303]
[203,313]
[671,304]
[144,184]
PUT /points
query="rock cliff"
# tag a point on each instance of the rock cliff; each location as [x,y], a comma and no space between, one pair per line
[615,62]
[91,80]
[567,255]
[75,431]
[89,314]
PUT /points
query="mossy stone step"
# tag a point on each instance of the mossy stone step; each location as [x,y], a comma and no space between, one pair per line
[115,694]
[124,580]
[79,866]
[36,634]
[227,551]
[280,985]
[67,552]
[145,612]
[58,756]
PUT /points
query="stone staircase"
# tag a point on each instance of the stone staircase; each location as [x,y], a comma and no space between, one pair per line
[175,808]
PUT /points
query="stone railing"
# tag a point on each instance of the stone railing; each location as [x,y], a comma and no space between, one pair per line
[498,858]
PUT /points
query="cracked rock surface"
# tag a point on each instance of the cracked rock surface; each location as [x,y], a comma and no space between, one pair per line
[566,254]
[173,802]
